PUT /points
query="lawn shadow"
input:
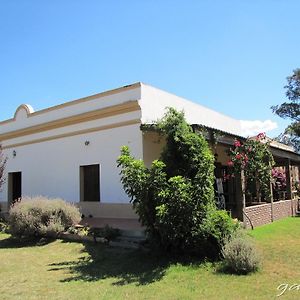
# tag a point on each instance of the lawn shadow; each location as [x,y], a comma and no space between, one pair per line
[125,266]
[12,242]
[222,269]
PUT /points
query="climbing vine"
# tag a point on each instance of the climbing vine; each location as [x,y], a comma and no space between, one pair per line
[254,158]
[3,160]
[174,197]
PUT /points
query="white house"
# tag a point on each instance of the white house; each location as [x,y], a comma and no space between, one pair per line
[70,150]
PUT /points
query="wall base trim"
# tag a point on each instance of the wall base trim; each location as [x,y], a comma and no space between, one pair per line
[107,210]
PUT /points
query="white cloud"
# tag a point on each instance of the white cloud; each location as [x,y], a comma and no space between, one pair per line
[251,128]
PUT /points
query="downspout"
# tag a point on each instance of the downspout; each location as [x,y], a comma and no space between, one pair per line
[244,198]
[248,219]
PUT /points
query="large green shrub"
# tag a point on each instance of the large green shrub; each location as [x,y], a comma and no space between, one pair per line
[40,216]
[174,198]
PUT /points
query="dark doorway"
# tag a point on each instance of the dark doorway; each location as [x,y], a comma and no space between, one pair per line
[90,183]
[14,186]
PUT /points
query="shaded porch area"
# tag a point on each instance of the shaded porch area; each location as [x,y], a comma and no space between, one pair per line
[251,207]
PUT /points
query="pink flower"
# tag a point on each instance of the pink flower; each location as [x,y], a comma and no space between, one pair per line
[261,136]
[230,163]
[238,156]
[237,143]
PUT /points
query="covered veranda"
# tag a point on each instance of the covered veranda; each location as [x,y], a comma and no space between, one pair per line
[251,207]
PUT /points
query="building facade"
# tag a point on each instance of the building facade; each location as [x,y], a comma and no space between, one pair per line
[70,150]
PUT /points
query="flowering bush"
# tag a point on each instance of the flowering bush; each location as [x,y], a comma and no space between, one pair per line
[279,179]
[254,158]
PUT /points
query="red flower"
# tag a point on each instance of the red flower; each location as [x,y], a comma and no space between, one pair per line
[261,136]
[228,177]
[230,163]
[238,156]
[237,143]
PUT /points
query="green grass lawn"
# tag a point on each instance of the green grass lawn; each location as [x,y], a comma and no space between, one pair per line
[63,270]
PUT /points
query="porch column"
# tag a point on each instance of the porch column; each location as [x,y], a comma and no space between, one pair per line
[271,201]
[288,178]
[240,195]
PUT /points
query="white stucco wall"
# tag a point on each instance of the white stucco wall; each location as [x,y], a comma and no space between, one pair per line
[88,104]
[51,168]
[153,145]
[50,160]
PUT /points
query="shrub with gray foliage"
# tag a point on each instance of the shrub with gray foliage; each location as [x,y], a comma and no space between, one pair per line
[240,255]
[40,216]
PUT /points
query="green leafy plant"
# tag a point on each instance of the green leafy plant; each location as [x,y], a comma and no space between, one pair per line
[40,216]
[3,227]
[174,198]
[220,227]
[79,230]
[290,109]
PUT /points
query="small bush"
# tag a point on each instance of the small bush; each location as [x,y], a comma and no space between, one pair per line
[106,232]
[240,255]
[40,216]
[219,227]
[3,227]
[81,230]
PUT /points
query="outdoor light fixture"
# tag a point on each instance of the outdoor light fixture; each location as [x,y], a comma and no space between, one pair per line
[87,143]
[14,153]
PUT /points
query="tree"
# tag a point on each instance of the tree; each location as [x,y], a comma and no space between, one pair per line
[2,167]
[174,198]
[291,110]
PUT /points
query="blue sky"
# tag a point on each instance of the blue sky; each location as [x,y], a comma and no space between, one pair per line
[231,56]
